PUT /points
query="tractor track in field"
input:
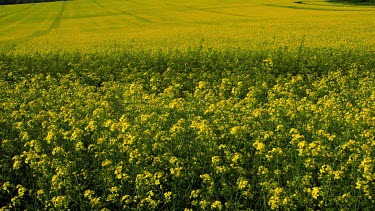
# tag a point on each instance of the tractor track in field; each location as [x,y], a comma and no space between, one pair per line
[209,10]
[134,16]
[55,25]
[17,11]
[206,9]
[216,12]
[57,21]
[124,12]
[212,10]
[96,2]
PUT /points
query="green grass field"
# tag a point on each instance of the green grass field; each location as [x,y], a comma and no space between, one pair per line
[187,105]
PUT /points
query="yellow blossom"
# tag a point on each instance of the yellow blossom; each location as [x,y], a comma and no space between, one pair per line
[216,205]
[315,192]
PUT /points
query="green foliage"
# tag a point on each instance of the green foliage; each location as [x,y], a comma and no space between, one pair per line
[289,129]
[23,1]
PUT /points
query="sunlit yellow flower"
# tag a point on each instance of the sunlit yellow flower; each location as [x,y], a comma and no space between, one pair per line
[167,196]
[242,183]
[215,160]
[236,157]
[216,205]
[106,163]
[88,194]
[315,192]
[176,171]
[195,193]
[203,204]
[259,146]
[205,177]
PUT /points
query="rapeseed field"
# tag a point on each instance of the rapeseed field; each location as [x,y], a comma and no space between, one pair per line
[197,105]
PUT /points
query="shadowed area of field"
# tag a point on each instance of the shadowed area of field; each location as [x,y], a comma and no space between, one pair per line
[9,2]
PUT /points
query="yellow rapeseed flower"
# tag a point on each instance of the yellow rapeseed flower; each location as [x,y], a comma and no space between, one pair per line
[315,192]
[216,205]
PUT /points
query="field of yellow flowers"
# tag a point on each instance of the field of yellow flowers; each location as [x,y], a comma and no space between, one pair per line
[195,131]
[272,109]
[114,25]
